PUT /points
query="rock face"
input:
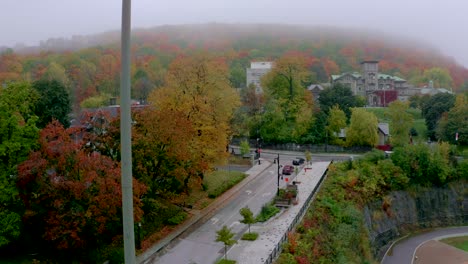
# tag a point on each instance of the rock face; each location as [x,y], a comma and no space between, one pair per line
[403,211]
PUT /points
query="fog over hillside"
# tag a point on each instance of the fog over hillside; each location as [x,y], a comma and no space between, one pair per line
[434,22]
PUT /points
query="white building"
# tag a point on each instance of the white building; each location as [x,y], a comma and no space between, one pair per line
[255,73]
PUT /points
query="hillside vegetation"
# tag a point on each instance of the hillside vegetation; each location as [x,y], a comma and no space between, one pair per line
[335,228]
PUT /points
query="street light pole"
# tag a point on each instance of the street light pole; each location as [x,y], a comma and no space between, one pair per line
[277,161]
[125,137]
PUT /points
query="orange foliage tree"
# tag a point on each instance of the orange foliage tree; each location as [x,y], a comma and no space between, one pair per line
[189,118]
[73,198]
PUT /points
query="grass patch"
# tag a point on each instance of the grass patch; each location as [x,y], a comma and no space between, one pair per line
[226,261]
[420,126]
[419,123]
[250,236]
[267,212]
[458,242]
[220,181]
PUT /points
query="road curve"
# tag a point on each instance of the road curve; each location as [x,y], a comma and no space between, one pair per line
[402,252]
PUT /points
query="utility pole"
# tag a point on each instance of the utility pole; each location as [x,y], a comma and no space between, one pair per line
[278,162]
[125,137]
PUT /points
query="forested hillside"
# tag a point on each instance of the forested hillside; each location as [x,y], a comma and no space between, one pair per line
[90,65]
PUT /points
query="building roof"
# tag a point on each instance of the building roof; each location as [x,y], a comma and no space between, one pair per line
[432,91]
[355,75]
[384,128]
[313,86]
[369,61]
[358,75]
[261,64]
[395,78]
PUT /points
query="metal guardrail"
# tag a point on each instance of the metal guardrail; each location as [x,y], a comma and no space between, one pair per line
[278,248]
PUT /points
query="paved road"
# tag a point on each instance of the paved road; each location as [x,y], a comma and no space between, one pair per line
[402,252]
[200,246]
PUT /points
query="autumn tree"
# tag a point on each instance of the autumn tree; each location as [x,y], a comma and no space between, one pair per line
[73,197]
[288,106]
[439,77]
[336,122]
[288,77]
[18,136]
[455,122]
[400,122]
[56,72]
[196,106]
[225,236]
[53,102]
[362,129]
[11,68]
[247,118]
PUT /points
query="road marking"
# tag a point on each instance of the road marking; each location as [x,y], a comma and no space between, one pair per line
[271,172]
[266,194]
[234,223]
[214,220]
[248,192]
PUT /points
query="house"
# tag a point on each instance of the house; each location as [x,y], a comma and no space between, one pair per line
[255,73]
[384,136]
[379,89]
[315,89]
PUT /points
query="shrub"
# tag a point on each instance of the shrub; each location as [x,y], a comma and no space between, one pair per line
[267,212]
[177,219]
[250,236]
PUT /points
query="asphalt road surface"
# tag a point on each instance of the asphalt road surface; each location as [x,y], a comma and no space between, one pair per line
[199,246]
[402,252]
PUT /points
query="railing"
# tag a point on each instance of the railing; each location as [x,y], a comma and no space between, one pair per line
[278,248]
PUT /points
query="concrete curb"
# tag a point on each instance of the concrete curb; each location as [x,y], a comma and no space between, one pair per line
[210,209]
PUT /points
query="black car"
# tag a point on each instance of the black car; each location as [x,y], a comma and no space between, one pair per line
[298,161]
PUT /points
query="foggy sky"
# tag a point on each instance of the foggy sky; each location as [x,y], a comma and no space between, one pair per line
[440,23]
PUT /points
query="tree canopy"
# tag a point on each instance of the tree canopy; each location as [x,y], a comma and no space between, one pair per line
[53,102]
[433,109]
[73,198]
[339,95]
[18,136]
[362,129]
[400,123]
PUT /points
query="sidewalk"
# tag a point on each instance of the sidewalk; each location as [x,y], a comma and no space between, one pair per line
[272,233]
[202,216]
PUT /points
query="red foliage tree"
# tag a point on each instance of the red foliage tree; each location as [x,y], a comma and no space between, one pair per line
[73,197]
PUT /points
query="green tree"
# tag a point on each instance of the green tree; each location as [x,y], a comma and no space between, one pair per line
[308,156]
[237,75]
[18,136]
[362,129]
[400,122]
[225,235]
[53,102]
[440,77]
[339,95]
[288,77]
[424,165]
[288,108]
[248,217]
[433,109]
[455,122]
[336,122]
[57,72]
[244,147]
